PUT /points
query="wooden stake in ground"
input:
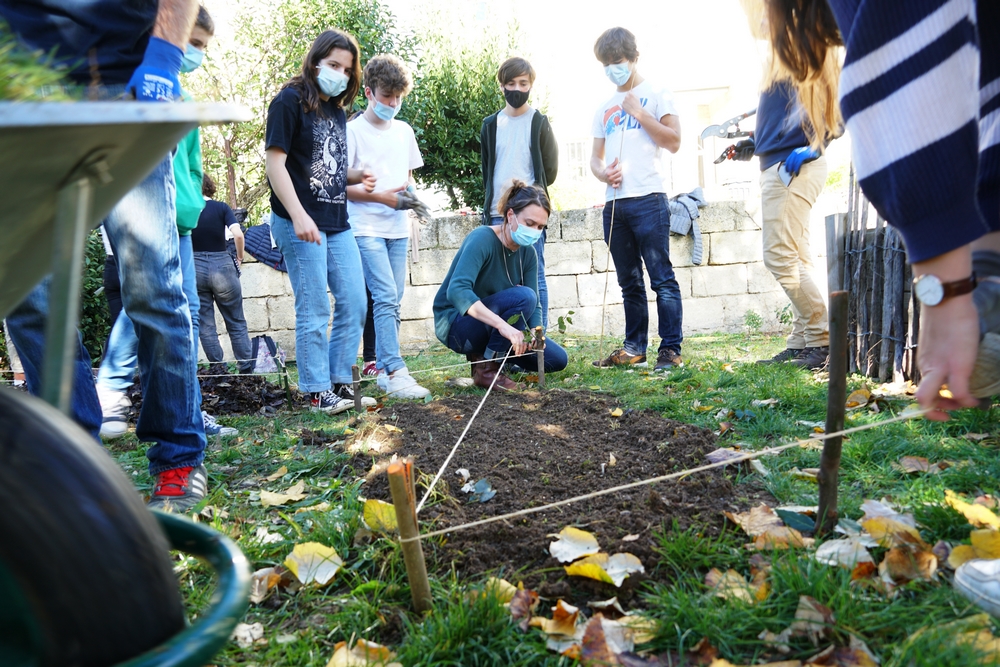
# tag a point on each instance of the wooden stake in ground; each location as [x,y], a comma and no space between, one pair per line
[356,376]
[836,401]
[538,344]
[404,500]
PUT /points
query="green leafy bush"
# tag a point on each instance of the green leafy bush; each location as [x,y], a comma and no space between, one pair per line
[26,75]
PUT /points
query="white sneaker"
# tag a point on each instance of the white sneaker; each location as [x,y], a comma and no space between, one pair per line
[213,427]
[114,410]
[401,385]
[979,581]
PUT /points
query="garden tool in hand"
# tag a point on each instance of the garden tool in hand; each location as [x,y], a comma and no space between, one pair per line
[407,200]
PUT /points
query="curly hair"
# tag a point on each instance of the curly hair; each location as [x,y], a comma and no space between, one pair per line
[615,44]
[520,195]
[208,188]
[387,74]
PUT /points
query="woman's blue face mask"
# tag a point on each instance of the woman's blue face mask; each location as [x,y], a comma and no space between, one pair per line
[524,236]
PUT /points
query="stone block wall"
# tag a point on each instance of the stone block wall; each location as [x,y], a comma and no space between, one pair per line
[717,294]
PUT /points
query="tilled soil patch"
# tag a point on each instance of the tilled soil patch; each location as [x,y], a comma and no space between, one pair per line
[537,448]
[231,394]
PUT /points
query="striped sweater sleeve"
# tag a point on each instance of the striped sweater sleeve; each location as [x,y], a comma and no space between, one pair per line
[911,100]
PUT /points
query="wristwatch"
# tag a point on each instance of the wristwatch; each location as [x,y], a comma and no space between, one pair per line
[931,291]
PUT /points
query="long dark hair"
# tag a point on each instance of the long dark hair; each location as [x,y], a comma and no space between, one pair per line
[305,82]
[805,40]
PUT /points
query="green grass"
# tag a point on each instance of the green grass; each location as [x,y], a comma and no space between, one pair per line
[370,597]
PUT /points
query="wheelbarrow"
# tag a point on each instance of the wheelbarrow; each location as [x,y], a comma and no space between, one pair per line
[85,573]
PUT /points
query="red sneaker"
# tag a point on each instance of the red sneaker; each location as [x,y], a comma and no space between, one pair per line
[179,489]
[369,369]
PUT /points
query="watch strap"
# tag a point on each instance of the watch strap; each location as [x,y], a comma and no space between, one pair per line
[958,287]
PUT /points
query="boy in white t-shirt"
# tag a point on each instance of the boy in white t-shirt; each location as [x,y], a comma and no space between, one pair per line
[632,128]
[386,146]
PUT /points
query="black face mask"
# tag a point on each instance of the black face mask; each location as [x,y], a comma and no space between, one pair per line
[516,98]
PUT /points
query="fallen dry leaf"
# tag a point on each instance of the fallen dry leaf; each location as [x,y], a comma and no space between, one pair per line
[757,521]
[858,398]
[595,651]
[294,493]
[844,553]
[843,656]
[313,562]
[563,621]
[262,582]
[758,403]
[380,516]
[609,569]
[642,629]
[522,605]
[501,589]
[609,607]
[723,454]
[319,507]
[729,585]
[976,437]
[612,461]
[617,412]
[781,538]
[977,515]
[573,543]
[264,537]
[906,563]
[985,544]
[812,620]
[277,474]
[247,634]
[364,654]
[807,474]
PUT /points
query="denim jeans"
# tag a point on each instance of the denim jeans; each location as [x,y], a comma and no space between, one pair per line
[642,236]
[384,264]
[121,356]
[142,230]
[543,285]
[335,262]
[472,338]
[26,324]
[218,282]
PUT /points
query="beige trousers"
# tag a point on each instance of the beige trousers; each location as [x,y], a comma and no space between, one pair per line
[785,213]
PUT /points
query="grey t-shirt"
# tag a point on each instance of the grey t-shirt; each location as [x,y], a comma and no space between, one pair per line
[513,154]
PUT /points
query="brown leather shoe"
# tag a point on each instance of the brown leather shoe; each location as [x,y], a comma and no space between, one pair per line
[484,372]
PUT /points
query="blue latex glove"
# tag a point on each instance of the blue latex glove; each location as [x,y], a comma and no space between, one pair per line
[798,157]
[155,80]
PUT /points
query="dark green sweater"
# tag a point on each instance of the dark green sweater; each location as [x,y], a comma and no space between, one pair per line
[482,268]
[544,155]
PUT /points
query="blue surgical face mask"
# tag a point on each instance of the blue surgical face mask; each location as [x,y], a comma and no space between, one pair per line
[192,59]
[384,111]
[618,73]
[524,236]
[331,82]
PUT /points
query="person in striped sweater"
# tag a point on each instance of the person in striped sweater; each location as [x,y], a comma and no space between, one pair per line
[920,95]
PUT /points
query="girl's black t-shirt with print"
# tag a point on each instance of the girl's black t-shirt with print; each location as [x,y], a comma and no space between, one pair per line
[316,145]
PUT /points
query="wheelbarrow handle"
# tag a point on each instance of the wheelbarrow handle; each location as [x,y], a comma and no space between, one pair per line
[198,644]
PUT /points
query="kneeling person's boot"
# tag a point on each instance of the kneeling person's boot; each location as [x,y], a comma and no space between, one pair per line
[484,372]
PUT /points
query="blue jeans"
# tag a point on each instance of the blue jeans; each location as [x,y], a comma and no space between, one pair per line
[27,331]
[219,284]
[473,338]
[543,286]
[642,235]
[335,262]
[121,357]
[384,263]
[142,230]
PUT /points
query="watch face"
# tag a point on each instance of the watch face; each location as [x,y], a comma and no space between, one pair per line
[929,290]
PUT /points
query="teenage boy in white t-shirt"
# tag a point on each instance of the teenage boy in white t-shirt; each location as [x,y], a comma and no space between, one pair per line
[386,146]
[632,128]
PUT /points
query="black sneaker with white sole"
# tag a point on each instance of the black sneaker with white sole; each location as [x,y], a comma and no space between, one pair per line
[786,355]
[328,401]
[813,358]
[346,392]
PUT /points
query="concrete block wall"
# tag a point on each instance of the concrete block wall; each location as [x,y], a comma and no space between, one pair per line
[716,295]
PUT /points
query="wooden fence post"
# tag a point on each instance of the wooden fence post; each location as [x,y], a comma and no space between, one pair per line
[356,382]
[829,467]
[404,500]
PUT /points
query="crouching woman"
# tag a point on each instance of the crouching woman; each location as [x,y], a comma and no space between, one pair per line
[490,294]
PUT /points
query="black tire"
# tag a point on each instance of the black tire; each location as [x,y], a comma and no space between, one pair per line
[79,552]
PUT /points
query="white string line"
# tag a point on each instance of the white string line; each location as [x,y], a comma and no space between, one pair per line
[684,473]
[454,449]
[611,227]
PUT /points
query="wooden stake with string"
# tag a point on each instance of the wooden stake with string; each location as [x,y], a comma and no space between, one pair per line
[611,226]
[401,486]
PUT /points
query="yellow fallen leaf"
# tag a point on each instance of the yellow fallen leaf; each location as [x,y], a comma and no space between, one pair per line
[617,412]
[808,474]
[977,515]
[890,532]
[757,521]
[313,562]
[843,656]
[278,474]
[501,589]
[563,621]
[858,398]
[319,507]
[587,567]
[730,585]
[986,542]
[364,654]
[782,538]
[392,429]
[845,553]
[294,493]
[380,516]
[643,629]
[961,554]
[573,543]
[906,563]
[609,569]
